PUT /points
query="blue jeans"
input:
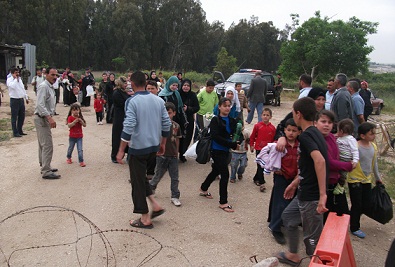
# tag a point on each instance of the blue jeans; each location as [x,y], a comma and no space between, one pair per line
[164,164]
[278,202]
[259,110]
[238,164]
[72,142]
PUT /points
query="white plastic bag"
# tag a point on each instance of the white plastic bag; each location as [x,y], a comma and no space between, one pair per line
[89,90]
[191,152]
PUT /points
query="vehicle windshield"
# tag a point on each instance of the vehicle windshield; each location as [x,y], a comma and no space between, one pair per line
[240,78]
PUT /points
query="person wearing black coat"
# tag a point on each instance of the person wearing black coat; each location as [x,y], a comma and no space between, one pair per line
[108,97]
[119,98]
[191,106]
[87,80]
[222,129]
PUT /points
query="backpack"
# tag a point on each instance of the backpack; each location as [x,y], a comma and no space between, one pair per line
[203,146]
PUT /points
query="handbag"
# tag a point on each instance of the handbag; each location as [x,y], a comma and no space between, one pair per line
[380,209]
[203,147]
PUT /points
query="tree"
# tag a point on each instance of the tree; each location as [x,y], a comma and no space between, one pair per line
[323,48]
[226,63]
[255,45]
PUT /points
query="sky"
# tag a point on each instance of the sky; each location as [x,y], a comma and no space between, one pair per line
[382,11]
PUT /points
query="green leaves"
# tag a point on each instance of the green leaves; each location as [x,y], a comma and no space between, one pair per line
[323,48]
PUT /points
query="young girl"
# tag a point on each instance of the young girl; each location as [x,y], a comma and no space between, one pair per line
[348,146]
[360,179]
[98,104]
[336,199]
[221,130]
[75,121]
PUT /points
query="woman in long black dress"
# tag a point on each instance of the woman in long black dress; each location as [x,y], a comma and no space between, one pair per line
[108,96]
[119,98]
[191,106]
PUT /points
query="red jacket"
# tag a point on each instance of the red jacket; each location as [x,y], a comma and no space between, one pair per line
[98,104]
[261,135]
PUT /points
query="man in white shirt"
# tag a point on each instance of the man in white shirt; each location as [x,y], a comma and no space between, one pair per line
[329,94]
[18,95]
[304,85]
[38,79]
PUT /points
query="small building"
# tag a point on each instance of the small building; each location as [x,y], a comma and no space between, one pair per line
[17,55]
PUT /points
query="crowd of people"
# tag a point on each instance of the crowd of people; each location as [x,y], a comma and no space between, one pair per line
[322,144]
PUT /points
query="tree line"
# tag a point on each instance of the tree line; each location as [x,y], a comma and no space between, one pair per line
[135,34]
[175,35]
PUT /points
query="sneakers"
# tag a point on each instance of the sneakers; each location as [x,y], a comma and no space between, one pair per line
[175,201]
[69,161]
[359,234]
[82,164]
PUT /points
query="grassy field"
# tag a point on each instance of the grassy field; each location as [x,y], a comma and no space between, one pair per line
[387,171]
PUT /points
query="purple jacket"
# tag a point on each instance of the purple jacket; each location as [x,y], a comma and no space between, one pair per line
[335,165]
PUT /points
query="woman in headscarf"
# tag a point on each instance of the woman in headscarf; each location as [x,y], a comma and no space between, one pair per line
[153,77]
[191,106]
[170,94]
[108,97]
[231,94]
[119,97]
[318,95]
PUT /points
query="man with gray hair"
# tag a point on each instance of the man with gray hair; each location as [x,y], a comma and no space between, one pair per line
[341,103]
[358,104]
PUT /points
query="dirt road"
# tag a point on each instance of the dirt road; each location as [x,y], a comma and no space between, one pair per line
[83,218]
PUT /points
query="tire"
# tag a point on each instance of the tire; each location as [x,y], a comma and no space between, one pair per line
[378,111]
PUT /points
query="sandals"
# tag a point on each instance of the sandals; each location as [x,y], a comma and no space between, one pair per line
[228,208]
[139,224]
[206,195]
[262,188]
[157,213]
[283,259]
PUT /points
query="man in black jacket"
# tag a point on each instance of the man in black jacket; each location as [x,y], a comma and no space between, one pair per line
[256,96]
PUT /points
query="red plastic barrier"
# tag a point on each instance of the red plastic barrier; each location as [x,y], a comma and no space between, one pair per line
[334,247]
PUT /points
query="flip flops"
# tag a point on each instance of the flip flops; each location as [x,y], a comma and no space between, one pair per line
[283,259]
[227,208]
[206,195]
[157,213]
[139,224]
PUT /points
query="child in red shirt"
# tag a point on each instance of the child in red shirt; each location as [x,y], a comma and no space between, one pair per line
[262,134]
[282,179]
[98,105]
[75,121]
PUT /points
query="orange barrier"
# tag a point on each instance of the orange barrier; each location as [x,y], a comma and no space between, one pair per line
[334,247]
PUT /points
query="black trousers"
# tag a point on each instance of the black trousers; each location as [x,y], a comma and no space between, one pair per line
[219,167]
[17,115]
[141,188]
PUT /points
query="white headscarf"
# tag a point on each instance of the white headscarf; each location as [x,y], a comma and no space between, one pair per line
[235,99]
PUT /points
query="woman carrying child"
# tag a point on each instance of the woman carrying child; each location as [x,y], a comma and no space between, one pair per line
[222,128]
